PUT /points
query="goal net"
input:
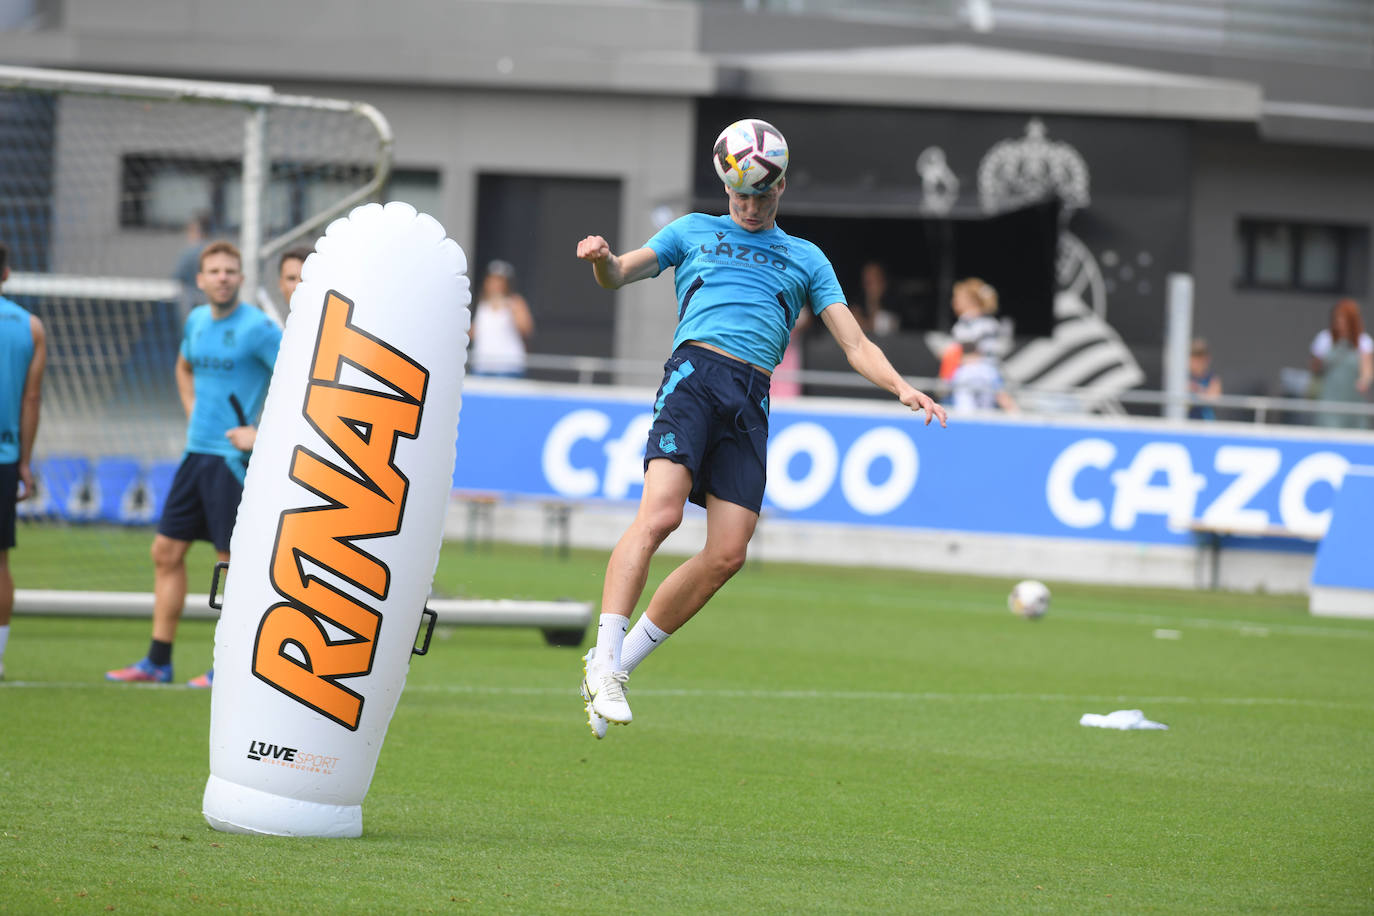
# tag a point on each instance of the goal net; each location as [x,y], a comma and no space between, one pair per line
[100,178]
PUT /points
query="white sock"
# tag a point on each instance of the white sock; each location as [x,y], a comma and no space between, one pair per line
[610,636]
[643,639]
[4,638]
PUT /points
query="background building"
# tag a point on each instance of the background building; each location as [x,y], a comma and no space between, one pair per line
[1230,142]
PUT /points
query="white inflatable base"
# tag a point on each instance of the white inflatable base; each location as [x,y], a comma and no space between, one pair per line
[233,808]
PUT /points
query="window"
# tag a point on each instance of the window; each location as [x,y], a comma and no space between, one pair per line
[161,192]
[165,192]
[417,187]
[1302,257]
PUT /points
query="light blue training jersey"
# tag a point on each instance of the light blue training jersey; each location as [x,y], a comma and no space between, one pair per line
[742,291]
[232,355]
[16,351]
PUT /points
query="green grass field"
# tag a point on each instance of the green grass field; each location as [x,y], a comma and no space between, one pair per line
[818,741]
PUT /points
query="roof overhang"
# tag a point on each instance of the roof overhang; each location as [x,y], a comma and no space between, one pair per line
[1321,125]
[956,76]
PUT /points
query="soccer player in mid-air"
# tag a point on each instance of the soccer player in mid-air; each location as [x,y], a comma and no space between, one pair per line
[23,357]
[741,282]
[227,353]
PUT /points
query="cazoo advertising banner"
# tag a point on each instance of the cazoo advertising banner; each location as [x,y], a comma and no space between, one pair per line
[871,463]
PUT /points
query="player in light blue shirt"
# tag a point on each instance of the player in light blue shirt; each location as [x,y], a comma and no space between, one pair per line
[23,356]
[741,283]
[227,361]
[228,349]
[742,290]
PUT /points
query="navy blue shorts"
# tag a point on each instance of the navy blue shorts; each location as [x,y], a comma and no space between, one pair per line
[711,417]
[9,496]
[203,501]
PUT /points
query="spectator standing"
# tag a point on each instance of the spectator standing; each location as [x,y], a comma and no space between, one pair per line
[876,314]
[188,262]
[501,324]
[1343,365]
[1203,381]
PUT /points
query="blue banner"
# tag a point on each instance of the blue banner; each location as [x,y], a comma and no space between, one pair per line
[849,462]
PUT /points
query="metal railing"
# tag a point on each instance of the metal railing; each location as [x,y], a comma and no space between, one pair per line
[1032,399]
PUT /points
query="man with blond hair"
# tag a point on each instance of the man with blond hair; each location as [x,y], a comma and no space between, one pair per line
[227,352]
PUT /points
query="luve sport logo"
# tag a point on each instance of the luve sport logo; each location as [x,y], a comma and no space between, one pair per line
[294,652]
[291,758]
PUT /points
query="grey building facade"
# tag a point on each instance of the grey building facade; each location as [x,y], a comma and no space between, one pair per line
[525,125]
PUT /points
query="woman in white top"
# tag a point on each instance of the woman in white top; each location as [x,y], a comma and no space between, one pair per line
[1343,365]
[501,324]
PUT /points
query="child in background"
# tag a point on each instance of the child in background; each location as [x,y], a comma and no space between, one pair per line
[975,307]
[1202,380]
[977,383]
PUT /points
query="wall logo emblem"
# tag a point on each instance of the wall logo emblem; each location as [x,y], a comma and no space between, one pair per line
[1031,168]
[939,184]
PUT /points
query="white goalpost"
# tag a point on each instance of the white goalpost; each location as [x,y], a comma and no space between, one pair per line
[202,126]
[101,178]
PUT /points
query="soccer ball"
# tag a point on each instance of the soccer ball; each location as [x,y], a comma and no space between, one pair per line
[1029,599]
[750,156]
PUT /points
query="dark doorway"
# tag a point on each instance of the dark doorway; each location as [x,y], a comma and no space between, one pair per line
[535,222]
[923,256]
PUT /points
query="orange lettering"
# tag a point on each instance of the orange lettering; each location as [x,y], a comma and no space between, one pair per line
[294,651]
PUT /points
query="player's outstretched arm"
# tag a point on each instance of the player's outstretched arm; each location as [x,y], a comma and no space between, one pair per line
[613,271]
[868,360]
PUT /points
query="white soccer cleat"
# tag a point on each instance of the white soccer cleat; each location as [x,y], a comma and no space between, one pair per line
[604,691]
[597,724]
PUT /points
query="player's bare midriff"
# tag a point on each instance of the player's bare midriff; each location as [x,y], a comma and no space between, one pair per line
[715,349]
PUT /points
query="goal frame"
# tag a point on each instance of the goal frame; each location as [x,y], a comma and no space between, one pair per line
[255,100]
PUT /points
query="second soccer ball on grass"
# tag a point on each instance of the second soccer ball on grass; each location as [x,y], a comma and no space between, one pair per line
[1029,599]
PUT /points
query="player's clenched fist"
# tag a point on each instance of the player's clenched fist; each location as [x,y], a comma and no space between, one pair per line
[593,248]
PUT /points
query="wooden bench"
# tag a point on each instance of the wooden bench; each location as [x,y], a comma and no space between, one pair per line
[1210,537]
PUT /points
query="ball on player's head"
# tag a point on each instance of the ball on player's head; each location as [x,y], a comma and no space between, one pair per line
[750,156]
[1029,599]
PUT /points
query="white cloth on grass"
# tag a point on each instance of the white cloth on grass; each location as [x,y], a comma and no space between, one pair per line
[1122,719]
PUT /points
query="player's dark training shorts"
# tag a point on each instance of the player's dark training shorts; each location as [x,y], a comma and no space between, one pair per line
[9,494]
[203,501]
[711,417]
